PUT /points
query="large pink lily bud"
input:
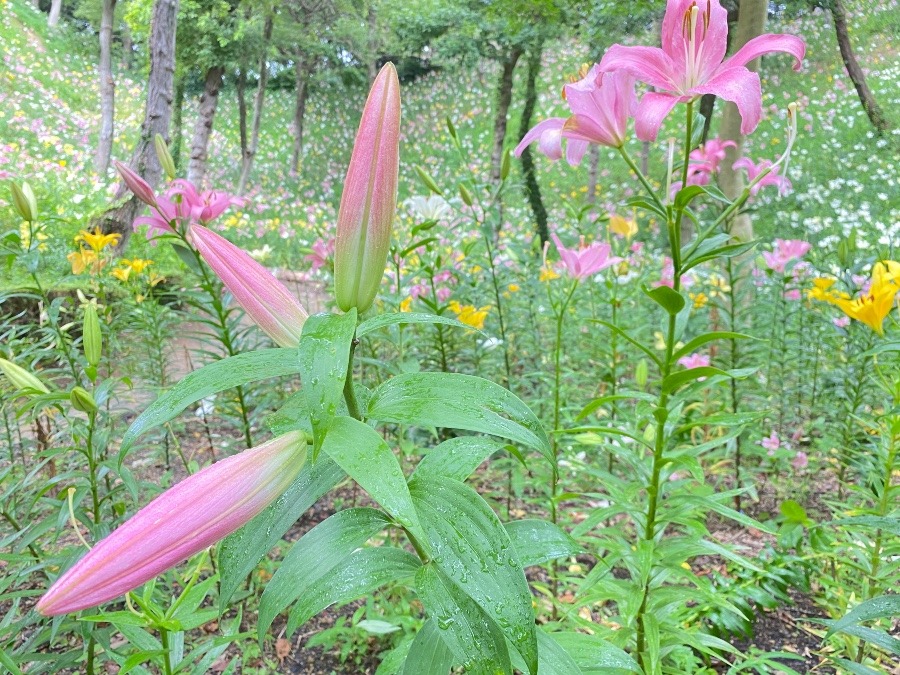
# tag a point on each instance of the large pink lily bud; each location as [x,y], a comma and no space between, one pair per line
[265,299]
[369,199]
[138,186]
[182,521]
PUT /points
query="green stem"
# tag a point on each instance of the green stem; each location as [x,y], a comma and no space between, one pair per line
[496,284]
[167,653]
[643,179]
[661,413]
[349,391]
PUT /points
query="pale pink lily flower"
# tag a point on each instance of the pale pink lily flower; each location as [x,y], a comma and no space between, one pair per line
[322,251]
[585,260]
[601,105]
[695,360]
[180,206]
[182,521]
[841,321]
[785,251]
[772,443]
[690,64]
[772,178]
[800,461]
[265,299]
[708,156]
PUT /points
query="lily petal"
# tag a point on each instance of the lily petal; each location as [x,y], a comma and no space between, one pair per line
[575,150]
[741,87]
[651,111]
[766,44]
[537,133]
[647,64]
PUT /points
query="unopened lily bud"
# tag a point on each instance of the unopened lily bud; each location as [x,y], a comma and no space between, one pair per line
[451,128]
[165,158]
[24,201]
[265,299]
[81,399]
[641,372]
[369,200]
[465,195]
[426,178]
[505,165]
[138,186]
[92,337]
[20,378]
[182,521]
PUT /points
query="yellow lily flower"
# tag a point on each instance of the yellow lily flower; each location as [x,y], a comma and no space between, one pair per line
[85,260]
[97,240]
[873,307]
[624,227]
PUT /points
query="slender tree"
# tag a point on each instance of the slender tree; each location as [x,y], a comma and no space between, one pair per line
[751,22]
[107,88]
[532,189]
[253,143]
[55,11]
[203,126]
[157,113]
[856,74]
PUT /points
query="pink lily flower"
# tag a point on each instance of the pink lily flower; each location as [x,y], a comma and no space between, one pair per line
[690,64]
[182,521]
[322,251]
[179,206]
[800,461]
[708,157]
[265,299]
[369,199]
[785,251]
[772,443]
[694,360]
[585,260]
[772,178]
[600,104]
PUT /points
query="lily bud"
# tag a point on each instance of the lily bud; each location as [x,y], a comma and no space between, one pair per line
[465,195]
[24,201]
[265,299]
[21,378]
[369,199]
[426,178]
[138,186]
[180,522]
[164,157]
[92,337]
[81,399]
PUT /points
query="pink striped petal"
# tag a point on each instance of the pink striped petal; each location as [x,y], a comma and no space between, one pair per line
[651,111]
[537,133]
[766,44]
[182,521]
[741,87]
[646,64]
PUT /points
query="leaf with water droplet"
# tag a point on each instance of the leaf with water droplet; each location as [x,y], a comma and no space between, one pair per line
[324,354]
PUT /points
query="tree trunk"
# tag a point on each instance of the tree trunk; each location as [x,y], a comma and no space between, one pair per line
[241,87]
[707,108]
[751,23]
[372,21]
[127,46]
[55,10]
[504,98]
[876,116]
[204,125]
[302,69]
[532,189]
[250,150]
[107,88]
[177,122]
[157,114]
